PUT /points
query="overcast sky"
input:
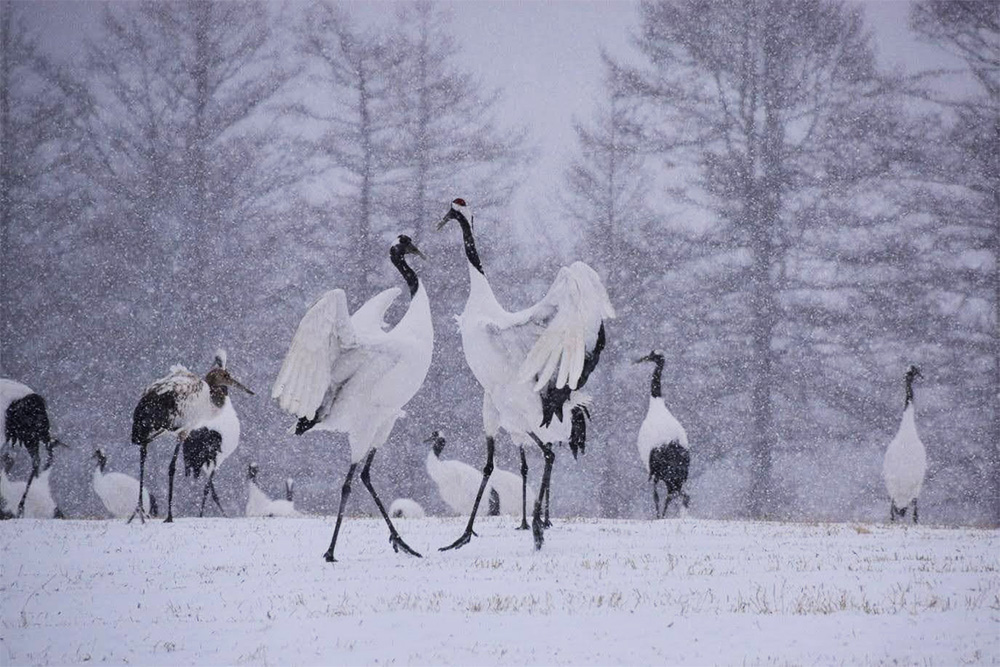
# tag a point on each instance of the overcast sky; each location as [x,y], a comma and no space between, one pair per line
[545,55]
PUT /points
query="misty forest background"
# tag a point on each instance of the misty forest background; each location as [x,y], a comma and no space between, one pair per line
[790,222]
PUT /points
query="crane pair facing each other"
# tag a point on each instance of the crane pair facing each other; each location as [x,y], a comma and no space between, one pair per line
[346,373]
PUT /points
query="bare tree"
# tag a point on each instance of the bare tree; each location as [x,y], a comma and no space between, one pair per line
[955,156]
[780,107]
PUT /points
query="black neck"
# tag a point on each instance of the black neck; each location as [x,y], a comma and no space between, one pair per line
[470,244]
[101,462]
[438,446]
[654,389]
[409,275]
[909,391]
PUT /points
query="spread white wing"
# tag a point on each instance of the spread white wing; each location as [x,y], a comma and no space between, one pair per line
[562,328]
[324,334]
[370,318]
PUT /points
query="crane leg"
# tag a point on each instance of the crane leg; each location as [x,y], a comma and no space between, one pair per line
[537,525]
[344,493]
[394,538]
[548,497]
[210,488]
[914,510]
[656,501]
[170,483]
[139,511]
[487,471]
[35,465]
[666,503]
[524,491]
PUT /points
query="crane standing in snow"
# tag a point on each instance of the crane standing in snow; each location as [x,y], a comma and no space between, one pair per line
[406,508]
[457,482]
[663,443]
[212,442]
[179,401]
[905,462]
[345,373]
[532,363]
[24,421]
[117,490]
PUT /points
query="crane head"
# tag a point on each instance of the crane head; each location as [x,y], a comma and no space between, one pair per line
[656,356]
[458,211]
[404,246]
[438,439]
[220,377]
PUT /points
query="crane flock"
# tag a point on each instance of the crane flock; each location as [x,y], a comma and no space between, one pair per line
[351,373]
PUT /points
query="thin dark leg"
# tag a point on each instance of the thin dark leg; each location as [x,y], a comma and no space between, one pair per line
[35,465]
[215,496]
[487,471]
[344,493]
[170,483]
[892,511]
[666,503]
[914,510]
[142,476]
[204,494]
[537,525]
[548,497]
[656,501]
[524,491]
[686,499]
[394,539]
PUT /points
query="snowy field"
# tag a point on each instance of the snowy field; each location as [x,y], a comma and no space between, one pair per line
[256,591]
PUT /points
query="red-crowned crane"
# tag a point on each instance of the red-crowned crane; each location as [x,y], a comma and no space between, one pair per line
[663,443]
[345,373]
[905,462]
[177,402]
[24,421]
[258,502]
[211,442]
[117,490]
[532,363]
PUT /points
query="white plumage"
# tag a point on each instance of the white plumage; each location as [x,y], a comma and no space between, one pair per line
[24,421]
[11,490]
[406,508]
[117,490]
[259,504]
[905,462]
[530,362]
[39,503]
[660,427]
[346,373]
[178,402]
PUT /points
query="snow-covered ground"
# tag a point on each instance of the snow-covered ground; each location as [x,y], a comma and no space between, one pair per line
[257,591]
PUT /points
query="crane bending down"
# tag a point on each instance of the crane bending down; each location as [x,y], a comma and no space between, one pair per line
[905,462]
[179,401]
[532,363]
[346,373]
[24,420]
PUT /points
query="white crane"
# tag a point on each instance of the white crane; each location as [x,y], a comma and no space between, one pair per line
[663,443]
[177,402]
[459,482]
[406,508]
[345,373]
[212,442]
[905,462]
[259,504]
[24,420]
[117,490]
[532,363]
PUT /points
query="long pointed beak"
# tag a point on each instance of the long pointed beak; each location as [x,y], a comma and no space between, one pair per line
[430,439]
[444,221]
[60,443]
[237,383]
[640,360]
[416,251]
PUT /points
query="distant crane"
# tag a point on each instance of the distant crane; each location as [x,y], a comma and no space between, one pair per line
[532,363]
[117,490]
[905,462]
[406,508]
[24,421]
[663,443]
[179,401]
[259,504]
[345,373]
